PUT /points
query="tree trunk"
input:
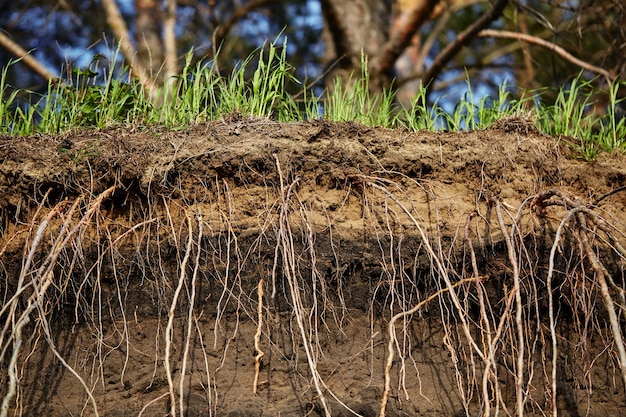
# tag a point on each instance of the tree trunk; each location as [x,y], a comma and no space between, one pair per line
[352,27]
[382,30]
[147,36]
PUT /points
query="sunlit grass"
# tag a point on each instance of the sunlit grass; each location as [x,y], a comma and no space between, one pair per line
[354,102]
[94,98]
[575,114]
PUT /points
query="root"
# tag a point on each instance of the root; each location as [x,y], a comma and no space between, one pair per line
[200,276]
[391,328]
[285,241]
[42,279]
[519,371]
[169,331]
[583,214]
[190,318]
[257,336]
[552,320]
[601,276]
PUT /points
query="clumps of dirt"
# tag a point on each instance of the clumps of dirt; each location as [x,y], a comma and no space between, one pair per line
[325,156]
[154,160]
[249,267]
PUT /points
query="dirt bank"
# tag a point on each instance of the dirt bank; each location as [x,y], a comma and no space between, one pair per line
[247,268]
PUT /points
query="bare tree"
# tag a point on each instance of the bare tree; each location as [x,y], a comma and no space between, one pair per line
[420,40]
[385,33]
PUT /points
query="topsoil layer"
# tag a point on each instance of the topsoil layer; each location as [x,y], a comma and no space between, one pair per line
[341,226]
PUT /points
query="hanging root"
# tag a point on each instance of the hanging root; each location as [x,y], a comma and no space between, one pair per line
[584,216]
[169,331]
[391,329]
[602,275]
[506,335]
[285,240]
[492,330]
[41,280]
[257,336]
[519,371]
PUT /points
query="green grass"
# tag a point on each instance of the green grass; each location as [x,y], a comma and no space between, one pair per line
[93,98]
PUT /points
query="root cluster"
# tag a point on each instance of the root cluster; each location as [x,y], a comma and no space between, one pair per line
[498,287]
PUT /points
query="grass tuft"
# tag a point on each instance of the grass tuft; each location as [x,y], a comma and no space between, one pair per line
[94,97]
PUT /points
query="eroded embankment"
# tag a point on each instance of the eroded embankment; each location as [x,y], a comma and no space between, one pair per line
[247,267]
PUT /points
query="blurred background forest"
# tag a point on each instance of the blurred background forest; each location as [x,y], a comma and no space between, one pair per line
[532,44]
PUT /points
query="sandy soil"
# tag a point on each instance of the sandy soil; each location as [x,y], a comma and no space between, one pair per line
[151,249]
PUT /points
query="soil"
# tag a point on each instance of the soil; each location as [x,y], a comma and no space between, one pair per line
[151,249]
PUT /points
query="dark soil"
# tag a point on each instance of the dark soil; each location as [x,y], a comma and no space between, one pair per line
[335,221]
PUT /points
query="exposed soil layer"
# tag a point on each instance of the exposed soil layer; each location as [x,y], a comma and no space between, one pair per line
[150,271]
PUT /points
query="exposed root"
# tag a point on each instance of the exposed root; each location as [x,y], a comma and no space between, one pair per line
[583,215]
[391,328]
[42,278]
[285,240]
[169,330]
[257,336]
[521,343]
[200,279]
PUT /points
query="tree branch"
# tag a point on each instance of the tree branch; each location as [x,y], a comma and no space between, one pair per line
[118,26]
[409,23]
[25,56]
[338,31]
[222,30]
[505,34]
[169,43]
[450,51]
[148,36]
